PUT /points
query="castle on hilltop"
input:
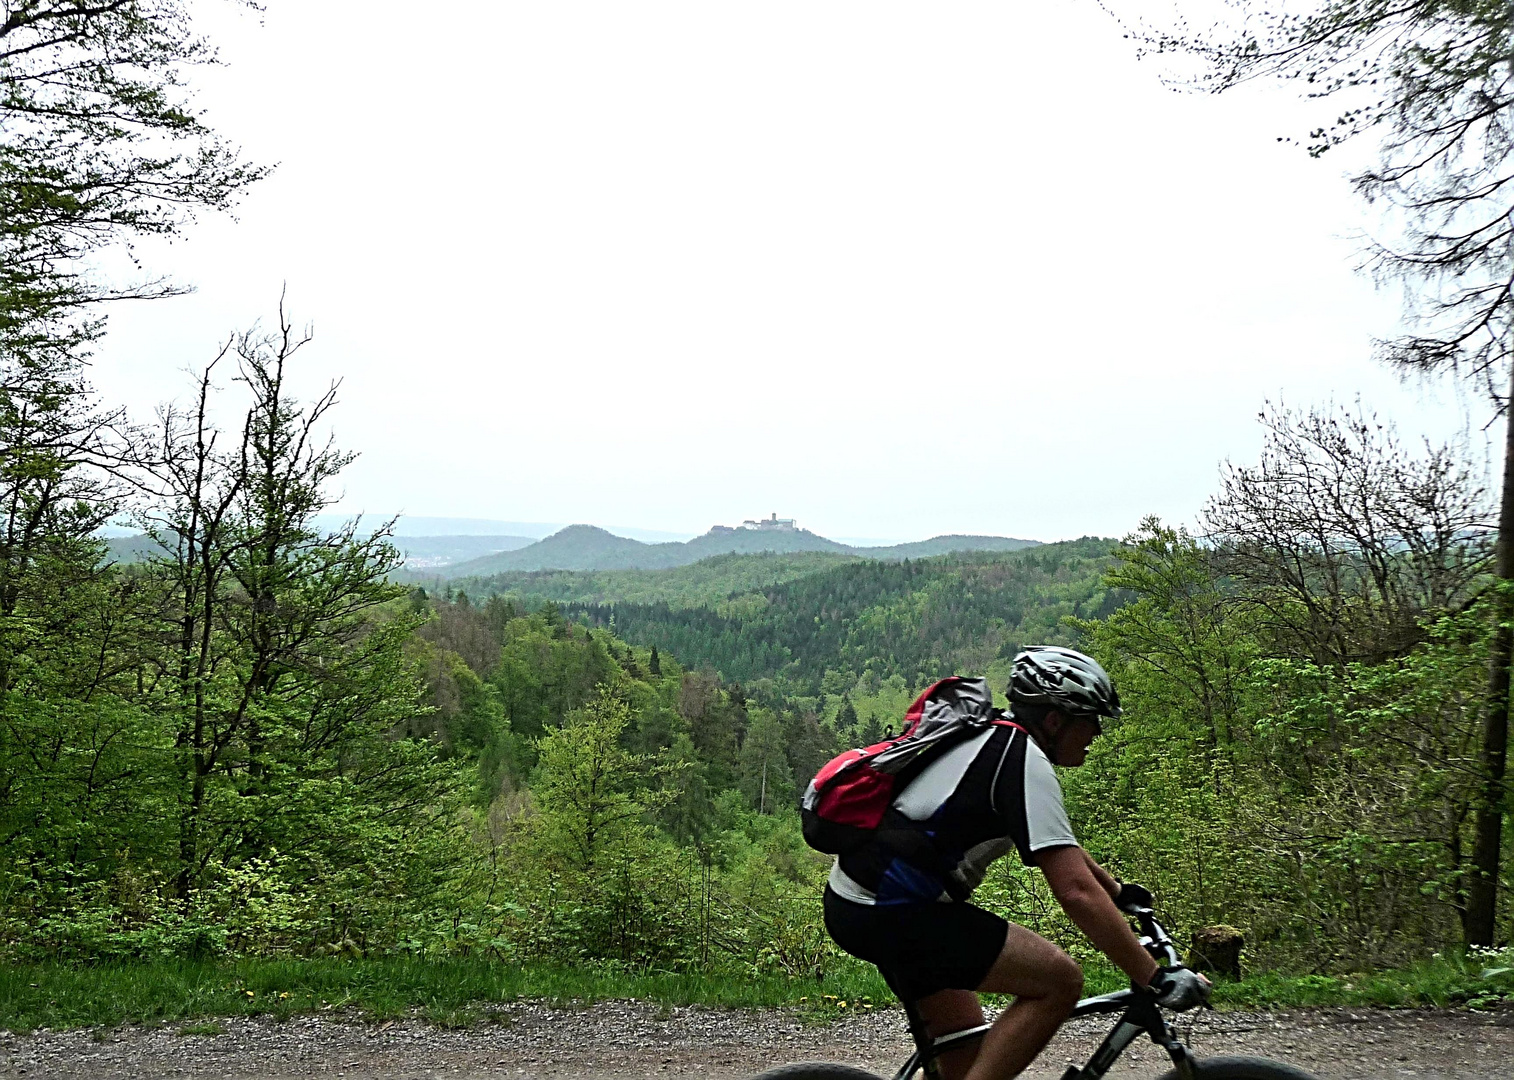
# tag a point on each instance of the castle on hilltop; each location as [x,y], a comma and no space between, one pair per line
[772,524]
[767,524]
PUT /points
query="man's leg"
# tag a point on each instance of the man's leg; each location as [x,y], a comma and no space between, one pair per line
[948,1011]
[1046,983]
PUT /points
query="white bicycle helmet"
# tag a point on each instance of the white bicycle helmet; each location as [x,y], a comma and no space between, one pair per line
[1062,679]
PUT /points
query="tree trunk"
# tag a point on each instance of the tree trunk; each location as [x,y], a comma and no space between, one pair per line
[1482,887]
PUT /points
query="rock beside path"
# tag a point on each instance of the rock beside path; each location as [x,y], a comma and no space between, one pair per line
[620,1040]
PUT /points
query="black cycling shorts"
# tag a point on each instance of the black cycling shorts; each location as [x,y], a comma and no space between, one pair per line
[919,948]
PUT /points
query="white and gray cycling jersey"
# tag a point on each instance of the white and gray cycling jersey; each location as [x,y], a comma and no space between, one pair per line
[995,793]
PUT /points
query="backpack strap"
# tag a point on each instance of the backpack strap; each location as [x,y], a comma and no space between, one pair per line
[906,839]
[993,787]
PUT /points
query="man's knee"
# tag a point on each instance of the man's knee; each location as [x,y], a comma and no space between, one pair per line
[1031,967]
[1065,981]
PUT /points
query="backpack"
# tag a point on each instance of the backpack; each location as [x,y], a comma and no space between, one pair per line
[845,805]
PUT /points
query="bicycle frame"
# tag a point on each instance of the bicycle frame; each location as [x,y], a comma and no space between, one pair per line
[1139,1013]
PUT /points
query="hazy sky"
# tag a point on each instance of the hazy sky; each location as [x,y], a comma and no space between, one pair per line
[891,269]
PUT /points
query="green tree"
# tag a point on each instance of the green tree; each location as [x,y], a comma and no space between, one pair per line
[1348,550]
[716,723]
[1247,767]
[1436,76]
[846,718]
[284,684]
[102,142]
[1182,629]
[807,744]
[593,794]
[765,774]
[546,669]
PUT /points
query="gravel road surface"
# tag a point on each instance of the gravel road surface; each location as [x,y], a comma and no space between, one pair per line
[620,1040]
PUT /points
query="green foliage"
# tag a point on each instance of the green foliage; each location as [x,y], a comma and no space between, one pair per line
[763,766]
[1322,809]
[706,583]
[249,743]
[593,795]
[209,756]
[102,143]
[920,620]
[642,813]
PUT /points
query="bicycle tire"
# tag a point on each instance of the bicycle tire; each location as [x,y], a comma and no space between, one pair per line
[1241,1068]
[817,1070]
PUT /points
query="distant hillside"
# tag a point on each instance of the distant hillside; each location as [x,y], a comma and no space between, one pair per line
[751,541]
[946,545]
[130,549]
[590,548]
[706,583]
[578,547]
[918,620]
[421,552]
[585,547]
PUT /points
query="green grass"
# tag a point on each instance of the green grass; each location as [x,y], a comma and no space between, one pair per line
[57,995]
[1481,981]
[456,993]
[211,1028]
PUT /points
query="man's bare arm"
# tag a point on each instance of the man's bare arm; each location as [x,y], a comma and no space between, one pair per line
[1088,902]
[1104,877]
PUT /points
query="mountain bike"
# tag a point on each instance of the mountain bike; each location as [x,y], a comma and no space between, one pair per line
[1138,1013]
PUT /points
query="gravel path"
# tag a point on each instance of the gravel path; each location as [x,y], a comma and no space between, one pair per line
[620,1040]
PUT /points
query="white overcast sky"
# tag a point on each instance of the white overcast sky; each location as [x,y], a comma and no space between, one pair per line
[892,269]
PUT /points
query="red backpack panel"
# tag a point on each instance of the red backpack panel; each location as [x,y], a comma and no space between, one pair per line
[845,803]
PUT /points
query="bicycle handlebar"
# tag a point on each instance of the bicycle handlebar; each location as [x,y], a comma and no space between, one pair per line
[1154,938]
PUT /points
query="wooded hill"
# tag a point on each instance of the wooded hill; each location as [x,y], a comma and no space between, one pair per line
[918,619]
[433,559]
[787,620]
[706,583]
[586,547]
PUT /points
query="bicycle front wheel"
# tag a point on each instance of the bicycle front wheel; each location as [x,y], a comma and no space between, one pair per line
[817,1070]
[1240,1068]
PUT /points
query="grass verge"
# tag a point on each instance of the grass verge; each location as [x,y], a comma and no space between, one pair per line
[451,992]
[1482,979]
[456,992]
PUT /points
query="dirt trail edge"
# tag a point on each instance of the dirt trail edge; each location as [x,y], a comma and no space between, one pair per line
[618,1040]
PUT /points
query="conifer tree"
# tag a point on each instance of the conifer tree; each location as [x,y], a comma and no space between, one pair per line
[846,717]
[102,143]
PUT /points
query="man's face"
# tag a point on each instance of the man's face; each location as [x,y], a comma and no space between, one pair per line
[1072,735]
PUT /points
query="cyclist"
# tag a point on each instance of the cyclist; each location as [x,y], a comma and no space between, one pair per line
[997,792]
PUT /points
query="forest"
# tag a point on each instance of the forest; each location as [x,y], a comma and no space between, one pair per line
[1299,755]
[254,744]
[259,740]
